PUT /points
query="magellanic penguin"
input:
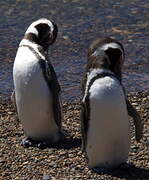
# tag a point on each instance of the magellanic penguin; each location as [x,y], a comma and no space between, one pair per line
[105,108]
[36,88]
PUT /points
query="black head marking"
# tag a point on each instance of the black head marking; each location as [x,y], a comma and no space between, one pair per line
[99,42]
[115,57]
[45,33]
[110,58]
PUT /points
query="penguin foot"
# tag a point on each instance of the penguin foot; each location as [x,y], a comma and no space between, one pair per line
[99,170]
[28,142]
[43,145]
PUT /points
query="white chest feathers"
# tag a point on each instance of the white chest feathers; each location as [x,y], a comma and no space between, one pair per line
[33,97]
[108,139]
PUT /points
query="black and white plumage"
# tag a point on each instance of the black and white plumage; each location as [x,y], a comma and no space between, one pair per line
[104,113]
[37,91]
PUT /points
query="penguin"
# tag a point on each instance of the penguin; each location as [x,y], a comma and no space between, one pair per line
[105,108]
[37,93]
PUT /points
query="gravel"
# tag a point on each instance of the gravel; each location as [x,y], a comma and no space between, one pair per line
[66,161]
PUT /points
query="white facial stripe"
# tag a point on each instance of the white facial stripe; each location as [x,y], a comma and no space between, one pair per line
[90,75]
[45,21]
[111,45]
[114,46]
[101,50]
[32,29]
[98,52]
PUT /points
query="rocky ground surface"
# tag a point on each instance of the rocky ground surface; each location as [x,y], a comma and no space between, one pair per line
[66,161]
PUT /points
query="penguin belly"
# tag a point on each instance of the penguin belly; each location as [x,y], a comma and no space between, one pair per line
[108,136]
[33,98]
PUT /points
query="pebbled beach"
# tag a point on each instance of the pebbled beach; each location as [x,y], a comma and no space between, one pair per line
[66,161]
[79,22]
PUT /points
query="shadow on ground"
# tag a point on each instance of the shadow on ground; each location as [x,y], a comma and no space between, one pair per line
[127,171]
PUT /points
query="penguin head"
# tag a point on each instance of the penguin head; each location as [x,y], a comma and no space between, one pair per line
[42,32]
[108,53]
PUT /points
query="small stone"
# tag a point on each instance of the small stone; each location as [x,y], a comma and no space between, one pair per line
[46,177]
[65,37]
[65,162]
[2,161]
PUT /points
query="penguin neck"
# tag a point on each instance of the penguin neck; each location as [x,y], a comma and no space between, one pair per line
[37,49]
[95,71]
[102,72]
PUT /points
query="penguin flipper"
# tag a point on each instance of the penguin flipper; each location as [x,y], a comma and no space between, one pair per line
[137,120]
[56,90]
[84,122]
[83,82]
[82,117]
[53,84]
[13,100]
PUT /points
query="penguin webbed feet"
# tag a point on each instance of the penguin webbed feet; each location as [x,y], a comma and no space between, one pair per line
[28,142]
[42,144]
[65,141]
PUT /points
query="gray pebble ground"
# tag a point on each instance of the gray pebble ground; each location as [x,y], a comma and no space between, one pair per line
[67,161]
